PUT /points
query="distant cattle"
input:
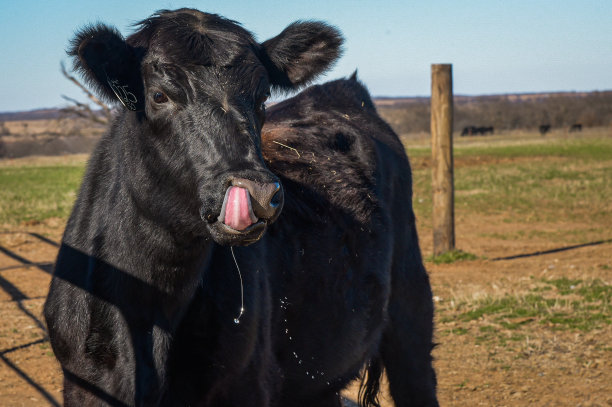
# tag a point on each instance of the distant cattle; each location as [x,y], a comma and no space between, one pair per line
[180,282]
[468,131]
[476,131]
[576,127]
[486,130]
[544,128]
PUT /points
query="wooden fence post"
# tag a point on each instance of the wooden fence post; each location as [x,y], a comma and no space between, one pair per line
[442,158]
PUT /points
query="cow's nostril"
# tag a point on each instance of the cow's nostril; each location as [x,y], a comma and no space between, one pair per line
[277,199]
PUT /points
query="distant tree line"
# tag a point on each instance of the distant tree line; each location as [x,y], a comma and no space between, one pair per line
[504,112]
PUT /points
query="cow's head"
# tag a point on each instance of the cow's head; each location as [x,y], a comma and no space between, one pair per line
[193,87]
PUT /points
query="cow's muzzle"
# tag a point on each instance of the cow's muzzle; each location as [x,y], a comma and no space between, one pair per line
[266,198]
[248,207]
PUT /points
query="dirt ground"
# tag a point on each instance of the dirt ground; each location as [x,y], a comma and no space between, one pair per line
[546,368]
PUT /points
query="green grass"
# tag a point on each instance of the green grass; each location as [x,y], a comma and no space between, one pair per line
[576,148]
[596,291]
[37,193]
[540,190]
[559,304]
[451,257]
[569,179]
[564,285]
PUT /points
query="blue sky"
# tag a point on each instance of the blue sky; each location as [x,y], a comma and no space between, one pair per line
[510,46]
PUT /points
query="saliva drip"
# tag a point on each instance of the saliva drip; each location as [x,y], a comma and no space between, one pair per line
[237,319]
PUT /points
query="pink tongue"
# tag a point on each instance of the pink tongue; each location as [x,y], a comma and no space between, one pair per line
[237,215]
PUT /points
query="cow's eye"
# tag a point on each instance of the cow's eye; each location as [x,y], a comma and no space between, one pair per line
[160,97]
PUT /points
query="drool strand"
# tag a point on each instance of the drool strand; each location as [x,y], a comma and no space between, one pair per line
[237,319]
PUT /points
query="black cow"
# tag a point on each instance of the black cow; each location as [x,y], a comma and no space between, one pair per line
[576,127]
[475,131]
[468,131]
[173,286]
[486,130]
[544,128]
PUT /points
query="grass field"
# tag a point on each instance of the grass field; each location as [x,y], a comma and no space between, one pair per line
[37,193]
[511,330]
[530,180]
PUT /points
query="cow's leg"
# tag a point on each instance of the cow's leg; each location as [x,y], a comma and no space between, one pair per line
[407,342]
[79,392]
[102,376]
[150,347]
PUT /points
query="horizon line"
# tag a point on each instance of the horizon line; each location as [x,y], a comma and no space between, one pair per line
[385,97]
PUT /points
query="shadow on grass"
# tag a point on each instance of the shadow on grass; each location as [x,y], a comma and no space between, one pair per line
[560,249]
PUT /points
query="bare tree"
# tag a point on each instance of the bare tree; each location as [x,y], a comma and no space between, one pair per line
[79,109]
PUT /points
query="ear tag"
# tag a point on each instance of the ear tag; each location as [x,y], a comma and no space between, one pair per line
[127,98]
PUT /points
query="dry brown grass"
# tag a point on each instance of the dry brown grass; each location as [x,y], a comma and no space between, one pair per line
[52,127]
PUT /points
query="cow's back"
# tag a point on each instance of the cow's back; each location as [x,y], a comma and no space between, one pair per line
[347,206]
[330,141]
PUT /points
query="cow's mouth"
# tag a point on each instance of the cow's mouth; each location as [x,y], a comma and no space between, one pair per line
[237,224]
[237,210]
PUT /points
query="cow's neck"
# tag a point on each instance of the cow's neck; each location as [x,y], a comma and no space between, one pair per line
[108,224]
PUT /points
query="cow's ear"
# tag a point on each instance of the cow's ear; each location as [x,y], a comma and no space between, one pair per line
[301,52]
[109,65]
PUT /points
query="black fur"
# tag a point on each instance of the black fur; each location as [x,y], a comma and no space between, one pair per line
[352,270]
[299,46]
[101,56]
[145,291]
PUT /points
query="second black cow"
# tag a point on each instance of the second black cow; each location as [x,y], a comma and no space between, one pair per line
[213,261]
